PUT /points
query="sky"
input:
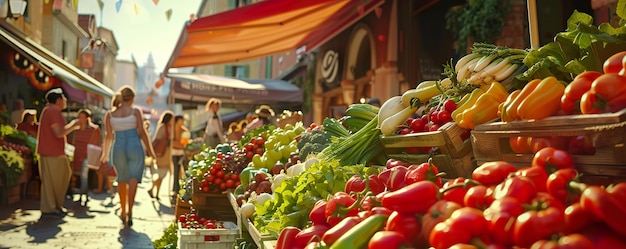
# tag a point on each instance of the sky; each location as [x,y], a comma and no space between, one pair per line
[141,27]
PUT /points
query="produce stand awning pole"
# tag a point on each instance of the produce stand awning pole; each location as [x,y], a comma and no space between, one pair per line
[532,23]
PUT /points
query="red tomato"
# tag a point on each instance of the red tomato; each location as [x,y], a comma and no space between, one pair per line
[418,125]
[570,102]
[230,183]
[519,145]
[537,175]
[614,63]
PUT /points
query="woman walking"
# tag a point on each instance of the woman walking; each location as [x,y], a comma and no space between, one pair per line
[88,133]
[163,154]
[124,133]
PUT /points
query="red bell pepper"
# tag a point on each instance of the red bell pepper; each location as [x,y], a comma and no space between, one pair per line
[572,241]
[466,226]
[518,187]
[317,214]
[342,227]
[535,225]
[607,94]
[375,184]
[603,236]
[559,185]
[606,206]
[393,163]
[479,197]
[380,210]
[395,180]
[386,240]
[552,159]
[423,172]
[412,199]
[501,216]
[406,224]
[310,234]
[537,175]
[354,184]
[577,218]
[438,212]
[570,101]
[455,189]
[492,173]
[340,205]
[286,238]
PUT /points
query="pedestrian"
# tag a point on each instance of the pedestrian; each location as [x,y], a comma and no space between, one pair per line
[265,116]
[16,114]
[124,133]
[54,166]
[181,139]
[213,133]
[163,156]
[28,124]
[87,133]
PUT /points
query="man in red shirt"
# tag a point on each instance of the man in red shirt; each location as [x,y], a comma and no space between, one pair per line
[54,167]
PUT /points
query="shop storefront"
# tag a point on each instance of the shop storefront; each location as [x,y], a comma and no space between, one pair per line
[30,70]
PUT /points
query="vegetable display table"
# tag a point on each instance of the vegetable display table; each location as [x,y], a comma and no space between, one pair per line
[247,228]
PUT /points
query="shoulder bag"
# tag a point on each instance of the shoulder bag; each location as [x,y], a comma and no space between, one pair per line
[94,152]
[160,144]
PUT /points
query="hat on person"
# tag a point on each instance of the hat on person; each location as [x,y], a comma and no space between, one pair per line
[264,111]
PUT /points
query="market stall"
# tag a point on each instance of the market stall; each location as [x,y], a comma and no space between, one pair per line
[512,148]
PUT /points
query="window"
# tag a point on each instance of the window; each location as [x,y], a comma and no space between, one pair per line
[237,71]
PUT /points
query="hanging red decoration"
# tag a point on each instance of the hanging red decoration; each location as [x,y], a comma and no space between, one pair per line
[20,65]
[159,83]
[149,100]
[40,80]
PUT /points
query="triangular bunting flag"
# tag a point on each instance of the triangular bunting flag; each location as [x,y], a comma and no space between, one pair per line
[155,2]
[100,4]
[136,9]
[118,5]
[168,14]
[75,4]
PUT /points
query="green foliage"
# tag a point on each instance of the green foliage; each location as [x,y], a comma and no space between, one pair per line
[169,238]
[481,20]
[296,196]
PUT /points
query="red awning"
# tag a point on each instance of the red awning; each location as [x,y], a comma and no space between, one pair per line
[265,28]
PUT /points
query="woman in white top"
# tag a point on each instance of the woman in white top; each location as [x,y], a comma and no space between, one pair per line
[214,133]
[124,132]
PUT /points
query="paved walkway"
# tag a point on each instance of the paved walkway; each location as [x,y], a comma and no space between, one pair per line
[95,225]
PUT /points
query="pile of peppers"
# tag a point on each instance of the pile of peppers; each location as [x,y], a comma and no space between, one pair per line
[480,106]
[543,205]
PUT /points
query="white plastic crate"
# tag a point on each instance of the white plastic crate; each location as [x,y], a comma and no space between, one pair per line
[208,238]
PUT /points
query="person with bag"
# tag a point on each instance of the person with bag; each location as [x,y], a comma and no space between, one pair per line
[87,137]
[213,133]
[181,139]
[162,144]
[124,134]
[54,166]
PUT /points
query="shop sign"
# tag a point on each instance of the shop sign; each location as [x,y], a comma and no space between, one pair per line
[330,68]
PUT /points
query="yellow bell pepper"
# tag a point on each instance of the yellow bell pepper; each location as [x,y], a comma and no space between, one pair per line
[485,109]
[466,102]
[543,101]
[511,107]
[502,108]
[498,91]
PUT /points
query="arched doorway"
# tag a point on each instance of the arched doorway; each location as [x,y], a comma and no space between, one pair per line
[361,60]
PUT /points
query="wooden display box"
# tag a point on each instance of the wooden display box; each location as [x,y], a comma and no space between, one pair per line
[455,158]
[606,131]
[212,205]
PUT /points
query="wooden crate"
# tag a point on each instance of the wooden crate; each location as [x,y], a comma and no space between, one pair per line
[449,140]
[182,207]
[212,205]
[455,156]
[490,142]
